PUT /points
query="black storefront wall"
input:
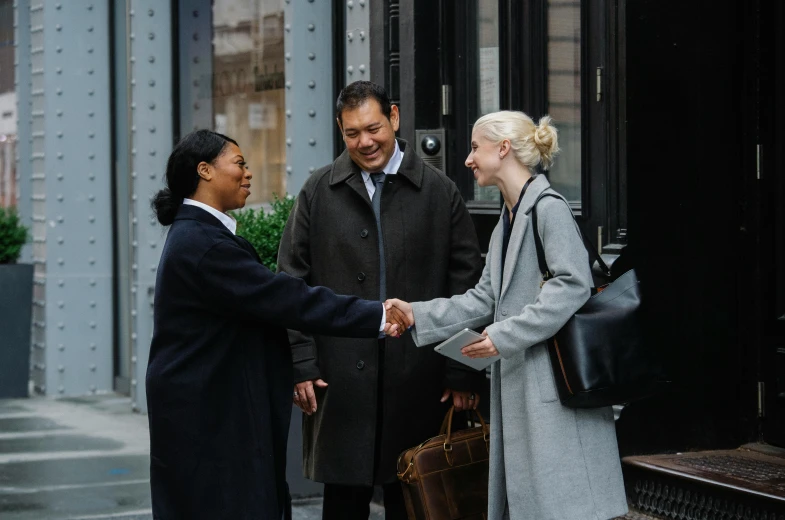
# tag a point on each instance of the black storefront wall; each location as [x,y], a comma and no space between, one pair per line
[691,114]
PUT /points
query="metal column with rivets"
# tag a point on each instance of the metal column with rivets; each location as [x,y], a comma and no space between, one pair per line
[70,188]
[151,107]
[309,89]
[196,67]
[358,41]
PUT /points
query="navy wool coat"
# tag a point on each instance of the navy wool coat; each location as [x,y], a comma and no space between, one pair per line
[219,378]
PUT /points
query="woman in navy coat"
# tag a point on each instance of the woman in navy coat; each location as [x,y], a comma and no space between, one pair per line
[219,378]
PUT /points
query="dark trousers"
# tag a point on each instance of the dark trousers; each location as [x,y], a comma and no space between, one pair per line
[354,502]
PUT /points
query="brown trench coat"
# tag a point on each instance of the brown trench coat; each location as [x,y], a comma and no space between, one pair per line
[431,250]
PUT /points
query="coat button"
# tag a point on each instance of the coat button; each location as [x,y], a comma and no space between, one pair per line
[504,312]
[361,277]
[360,364]
[364,233]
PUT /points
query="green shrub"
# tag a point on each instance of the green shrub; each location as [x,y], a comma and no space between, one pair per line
[264,230]
[13,235]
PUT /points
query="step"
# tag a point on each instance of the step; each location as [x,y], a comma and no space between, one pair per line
[747,483]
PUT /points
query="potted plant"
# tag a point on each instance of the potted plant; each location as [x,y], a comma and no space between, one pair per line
[16,305]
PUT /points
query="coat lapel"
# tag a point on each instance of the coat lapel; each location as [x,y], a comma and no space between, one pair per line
[495,252]
[538,185]
[344,170]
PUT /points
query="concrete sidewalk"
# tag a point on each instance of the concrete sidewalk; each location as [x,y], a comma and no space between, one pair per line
[83,459]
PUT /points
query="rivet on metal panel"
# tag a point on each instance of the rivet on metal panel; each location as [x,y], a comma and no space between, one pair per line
[153,176]
[91,176]
[91,240]
[90,29]
[312,84]
[59,49]
[350,4]
[196,83]
[60,240]
[92,388]
[133,382]
[362,3]
[311,56]
[133,82]
[90,71]
[59,92]
[61,368]
[93,346]
[61,325]
[133,334]
[311,27]
[90,7]
[288,113]
[287,27]
[151,36]
[92,282]
[61,304]
[349,36]
[132,36]
[289,169]
[288,56]
[91,218]
[60,219]
[91,197]
[93,325]
[152,153]
[59,134]
[350,69]
[362,35]
[89,50]
[361,68]
[60,261]
[59,113]
[151,59]
[91,135]
[311,169]
[59,27]
[196,36]
[312,141]
[61,389]
[61,283]
[150,12]
[134,267]
[196,59]
[288,141]
[92,303]
[288,84]
[152,129]
[91,156]
[152,244]
[58,6]
[152,106]
[60,347]
[91,260]
[59,155]
[90,114]
[133,359]
[60,198]
[196,14]
[312,112]
[59,70]
[59,176]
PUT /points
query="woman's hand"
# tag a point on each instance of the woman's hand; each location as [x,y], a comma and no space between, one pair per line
[403,309]
[481,349]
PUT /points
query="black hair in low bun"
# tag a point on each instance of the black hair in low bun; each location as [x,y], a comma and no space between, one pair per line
[181,175]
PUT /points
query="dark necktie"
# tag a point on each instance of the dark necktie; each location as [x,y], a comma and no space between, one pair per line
[376,203]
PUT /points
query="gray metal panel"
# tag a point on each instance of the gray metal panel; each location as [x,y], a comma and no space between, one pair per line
[358,41]
[309,90]
[77,185]
[196,65]
[152,134]
[24,129]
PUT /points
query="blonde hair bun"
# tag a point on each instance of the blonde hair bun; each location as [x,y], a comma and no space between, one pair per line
[547,140]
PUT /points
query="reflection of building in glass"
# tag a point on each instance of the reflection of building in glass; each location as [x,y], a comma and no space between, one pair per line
[248,88]
[7,106]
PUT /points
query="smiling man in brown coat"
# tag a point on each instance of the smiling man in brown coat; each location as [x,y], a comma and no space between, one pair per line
[366,400]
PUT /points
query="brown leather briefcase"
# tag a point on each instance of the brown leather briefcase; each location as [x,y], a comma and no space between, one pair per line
[446,477]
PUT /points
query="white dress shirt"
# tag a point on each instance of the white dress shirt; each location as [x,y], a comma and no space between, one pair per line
[231,225]
[391,168]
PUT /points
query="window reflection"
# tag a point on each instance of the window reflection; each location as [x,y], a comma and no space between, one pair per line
[488,63]
[248,88]
[564,93]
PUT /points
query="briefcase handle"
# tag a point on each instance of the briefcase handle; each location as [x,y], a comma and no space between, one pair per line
[447,428]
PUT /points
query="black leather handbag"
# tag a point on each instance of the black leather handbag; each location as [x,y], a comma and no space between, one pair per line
[600,356]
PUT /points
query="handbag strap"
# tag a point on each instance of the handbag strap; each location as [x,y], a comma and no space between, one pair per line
[593,254]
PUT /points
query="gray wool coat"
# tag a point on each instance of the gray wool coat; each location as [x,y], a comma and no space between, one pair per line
[547,461]
[431,250]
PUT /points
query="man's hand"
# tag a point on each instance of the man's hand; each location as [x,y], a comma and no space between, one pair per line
[401,308]
[305,397]
[462,400]
[481,349]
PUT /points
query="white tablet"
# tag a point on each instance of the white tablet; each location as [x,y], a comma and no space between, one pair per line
[452,349]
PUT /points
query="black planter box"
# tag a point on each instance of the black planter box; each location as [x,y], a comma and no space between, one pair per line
[16,306]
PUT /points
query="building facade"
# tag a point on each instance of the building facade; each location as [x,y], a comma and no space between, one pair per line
[670,118]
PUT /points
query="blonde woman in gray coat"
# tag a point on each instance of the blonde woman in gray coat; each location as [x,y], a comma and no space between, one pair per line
[547,461]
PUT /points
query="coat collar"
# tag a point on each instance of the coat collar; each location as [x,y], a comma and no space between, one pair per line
[188,212]
[535,189]
[344,169]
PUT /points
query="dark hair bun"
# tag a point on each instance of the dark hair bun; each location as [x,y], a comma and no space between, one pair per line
[165,204]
